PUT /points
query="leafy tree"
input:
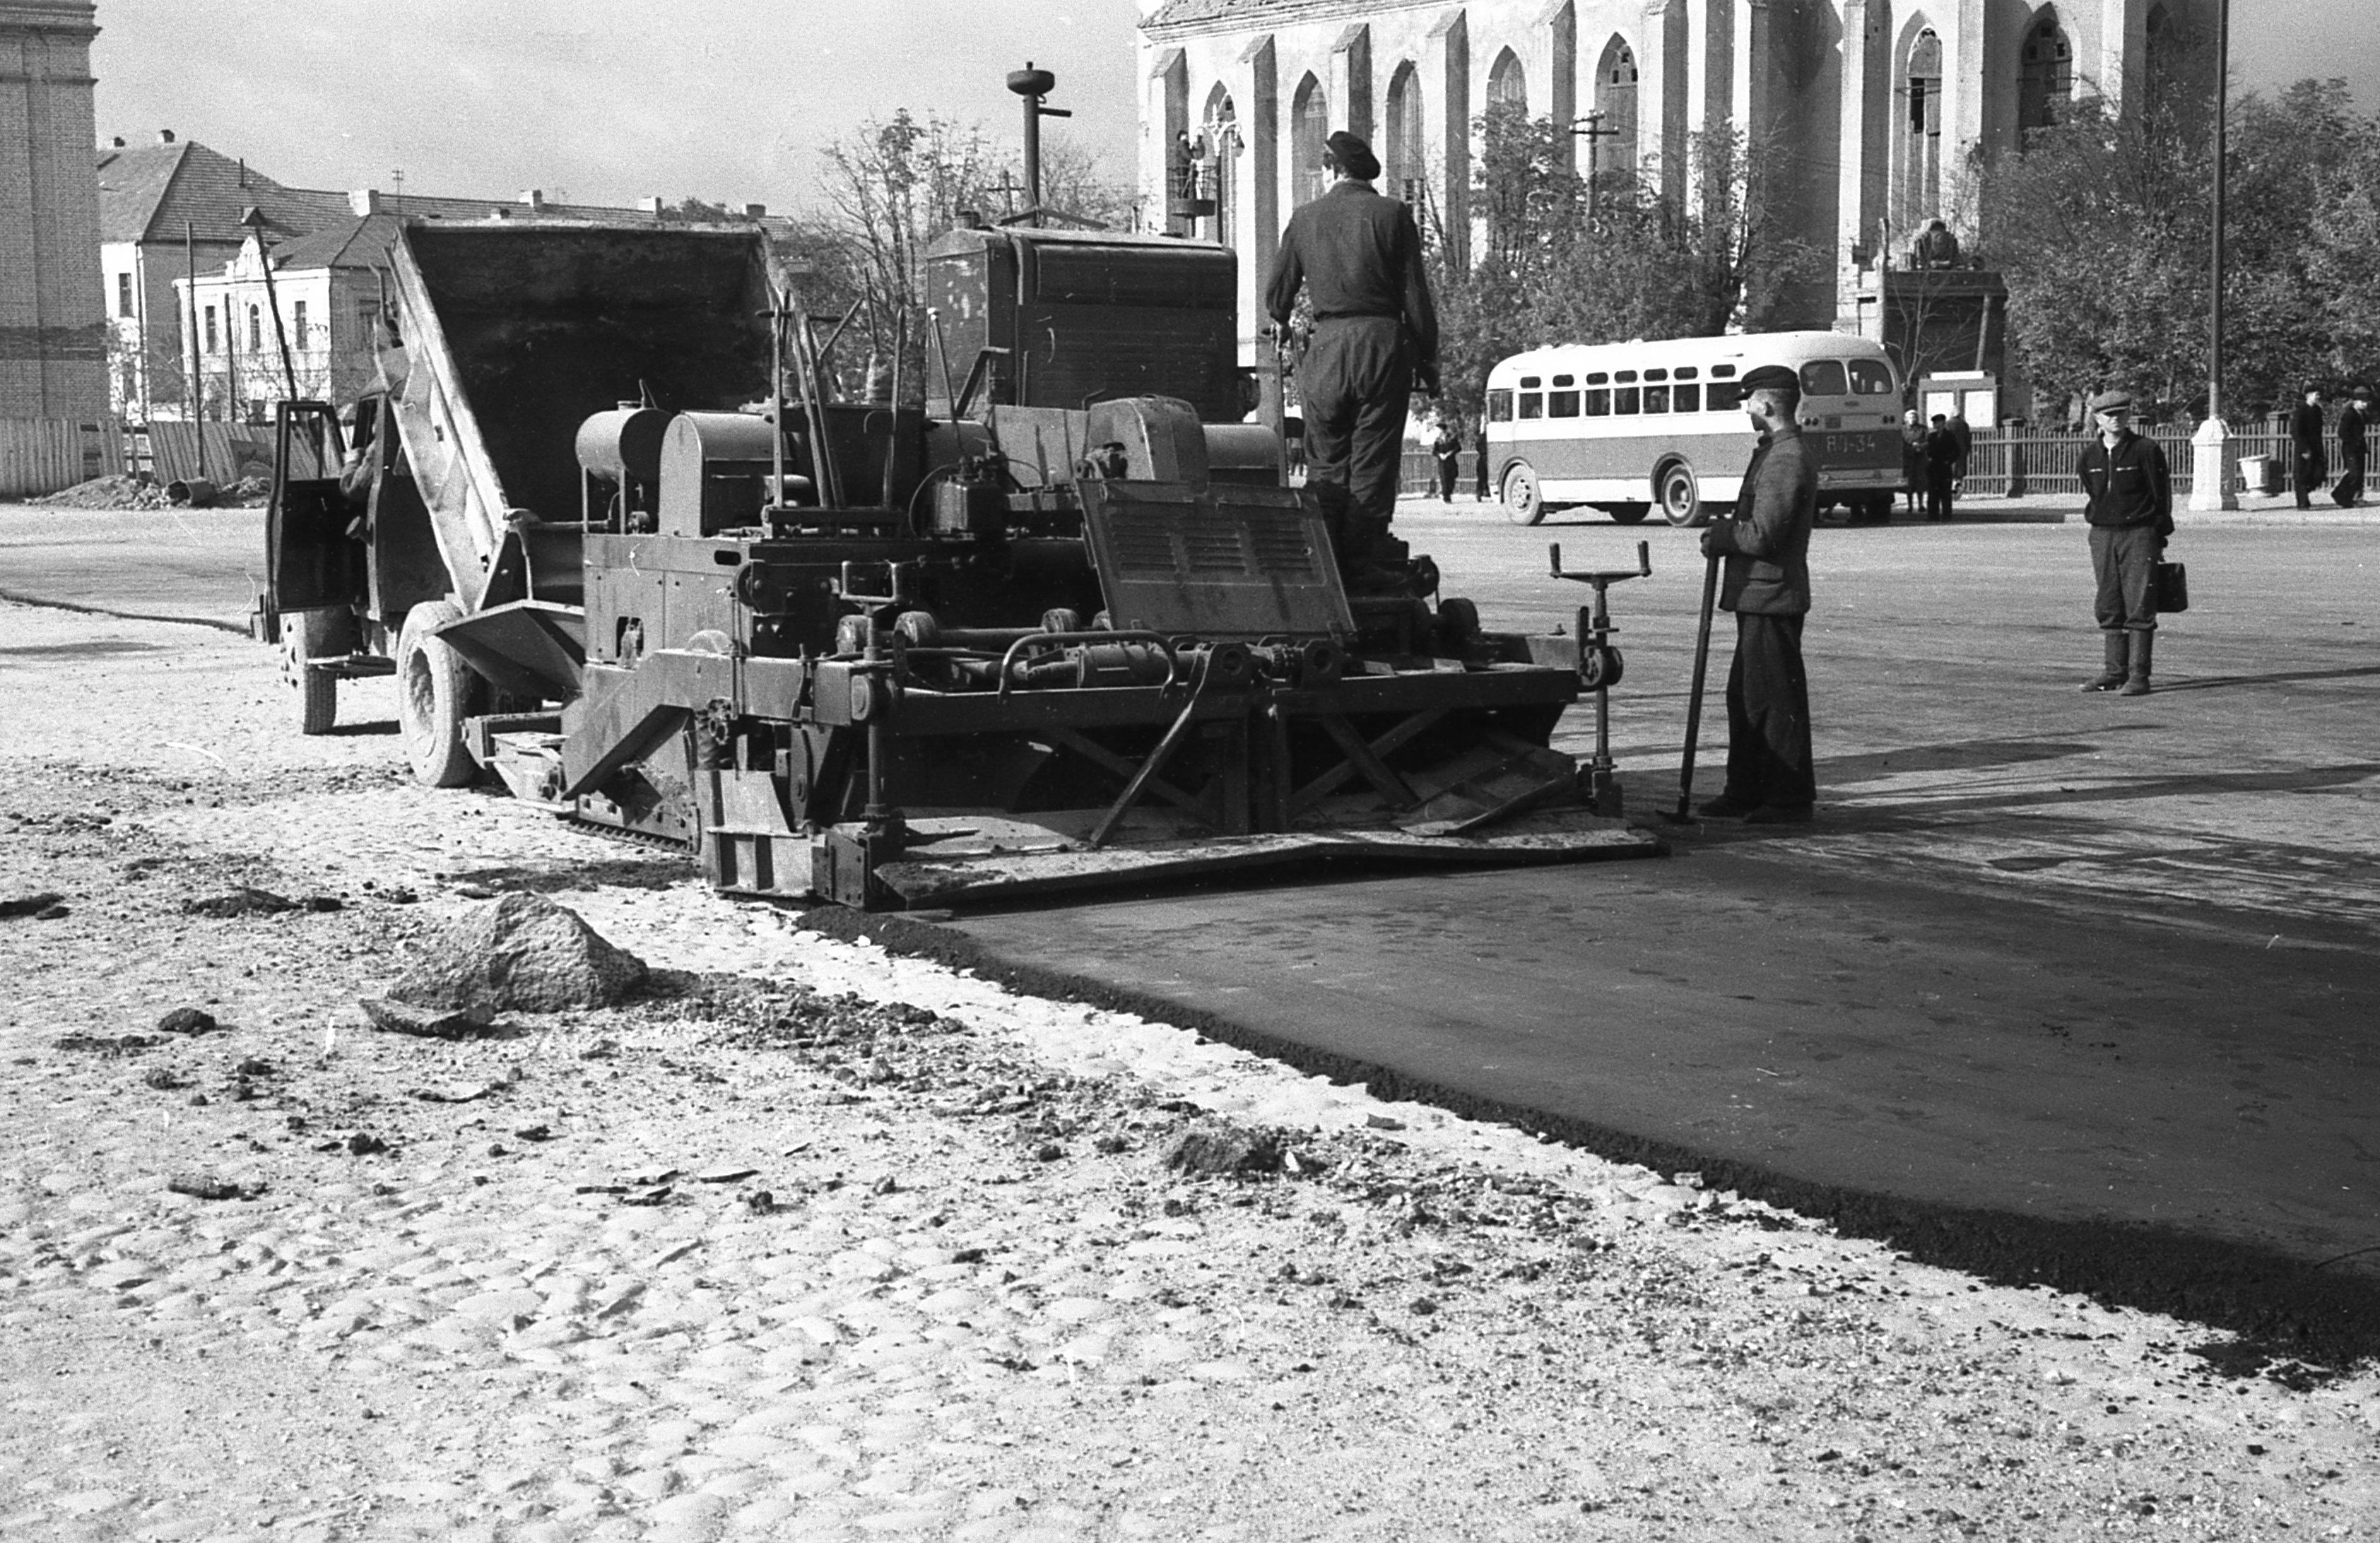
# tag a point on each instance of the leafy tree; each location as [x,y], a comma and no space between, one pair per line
[2103,229]
[1564,262]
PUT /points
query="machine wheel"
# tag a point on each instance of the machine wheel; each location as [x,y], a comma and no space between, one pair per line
[1682,496]
[435,691]
[1628,514]
[1524,503]
[312,635]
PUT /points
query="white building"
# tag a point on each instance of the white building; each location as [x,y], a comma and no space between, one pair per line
[1877,106]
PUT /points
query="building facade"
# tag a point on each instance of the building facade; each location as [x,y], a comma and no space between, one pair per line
[1869,115]
[183,236]
[52,351]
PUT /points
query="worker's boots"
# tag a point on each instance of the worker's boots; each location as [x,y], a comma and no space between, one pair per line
[2136,683]
[2111,674]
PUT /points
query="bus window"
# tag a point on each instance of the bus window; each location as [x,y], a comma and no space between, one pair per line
[1533,404]
[1499,407]
[1824,377]
[1623,400]
[1565,380]
[1561,404]
[1656,397]
[1530,382]
[1598,377]
[1657,374]
[1688,373]
[1870,378]
[1686,399]
[1599,404]
[1724,395]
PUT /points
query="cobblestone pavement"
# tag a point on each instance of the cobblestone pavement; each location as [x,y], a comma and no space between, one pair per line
[812,1242]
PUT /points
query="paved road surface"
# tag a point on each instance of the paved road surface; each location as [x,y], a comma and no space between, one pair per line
[2048,960]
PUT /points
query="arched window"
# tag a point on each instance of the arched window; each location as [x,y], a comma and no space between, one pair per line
[1400,157]
[2044,80]
[1508,84]
[1918,157]
[2178,75]
[1615,152]
[1220,133]
[1309,126]
[255,329]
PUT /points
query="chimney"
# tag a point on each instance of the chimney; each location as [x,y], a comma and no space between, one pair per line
[651,206]
[364,201]
[164,136]
[756,211]
[533,197]
[117,143]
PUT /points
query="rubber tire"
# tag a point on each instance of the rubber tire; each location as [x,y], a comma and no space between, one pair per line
[435,691]
[311,635]
[1628,514]
[1524,502]
[1680,497]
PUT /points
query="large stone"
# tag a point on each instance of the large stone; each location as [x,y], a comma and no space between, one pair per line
[521,953]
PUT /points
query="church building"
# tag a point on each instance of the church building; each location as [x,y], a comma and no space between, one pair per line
[1868,116]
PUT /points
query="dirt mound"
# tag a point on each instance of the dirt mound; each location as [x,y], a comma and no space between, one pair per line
[116,491]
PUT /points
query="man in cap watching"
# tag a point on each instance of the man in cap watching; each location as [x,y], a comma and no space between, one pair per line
[1770,776]
[1374,338]
[2131,513]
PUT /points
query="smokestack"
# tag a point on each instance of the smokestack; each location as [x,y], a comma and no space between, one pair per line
[756,211]
[364,201]
[533,197]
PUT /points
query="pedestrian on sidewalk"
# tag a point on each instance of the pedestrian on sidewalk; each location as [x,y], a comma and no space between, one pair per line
[1771,775]
[2131,513]
[1913,458]
[1479,459]
[1446,447]
[2351,420]
[2309,469]
[1965,437]
[1941,468]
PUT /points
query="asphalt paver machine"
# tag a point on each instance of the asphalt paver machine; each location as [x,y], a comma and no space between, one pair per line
[626,548]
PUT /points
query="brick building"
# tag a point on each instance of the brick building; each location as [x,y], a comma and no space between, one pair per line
[52,348]
[1871,114]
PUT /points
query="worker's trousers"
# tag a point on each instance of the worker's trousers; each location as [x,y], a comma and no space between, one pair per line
[1353,386]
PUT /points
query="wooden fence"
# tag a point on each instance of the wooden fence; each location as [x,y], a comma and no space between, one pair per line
[42,454]
[222,452]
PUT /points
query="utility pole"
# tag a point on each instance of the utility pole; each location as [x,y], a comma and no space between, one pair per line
[2210,448]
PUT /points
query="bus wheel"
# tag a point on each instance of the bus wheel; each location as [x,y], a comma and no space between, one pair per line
[1524,504]
[1682,498]
[1627,514]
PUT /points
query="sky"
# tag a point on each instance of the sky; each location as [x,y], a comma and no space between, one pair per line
[609,101]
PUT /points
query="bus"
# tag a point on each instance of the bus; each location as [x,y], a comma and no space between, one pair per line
[1628,428]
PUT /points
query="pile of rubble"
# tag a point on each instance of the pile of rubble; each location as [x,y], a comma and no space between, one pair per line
[118,492]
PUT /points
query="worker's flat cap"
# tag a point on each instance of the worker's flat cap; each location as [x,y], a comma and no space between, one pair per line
[1353,156]
[1771,377]
[2117,400]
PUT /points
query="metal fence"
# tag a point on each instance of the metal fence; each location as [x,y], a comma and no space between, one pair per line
[2002,462]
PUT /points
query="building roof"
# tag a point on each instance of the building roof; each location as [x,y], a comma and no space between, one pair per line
[1223,15]
[358,241]
[148,192]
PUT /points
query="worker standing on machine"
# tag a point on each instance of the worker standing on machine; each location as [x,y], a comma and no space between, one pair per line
[1374,339]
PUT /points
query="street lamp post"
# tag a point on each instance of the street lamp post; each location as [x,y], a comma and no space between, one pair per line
[2210,482]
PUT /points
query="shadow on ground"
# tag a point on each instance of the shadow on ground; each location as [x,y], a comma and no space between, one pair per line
[2296,1319]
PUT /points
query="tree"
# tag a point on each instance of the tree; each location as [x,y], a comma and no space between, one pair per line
[1564,262]
[2101,228]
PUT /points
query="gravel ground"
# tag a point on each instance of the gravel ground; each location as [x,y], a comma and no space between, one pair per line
[812,1241]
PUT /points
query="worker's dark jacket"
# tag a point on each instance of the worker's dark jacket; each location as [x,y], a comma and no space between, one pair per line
[2351,436]
[1768,542]
[1360,254]
[2127,485]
